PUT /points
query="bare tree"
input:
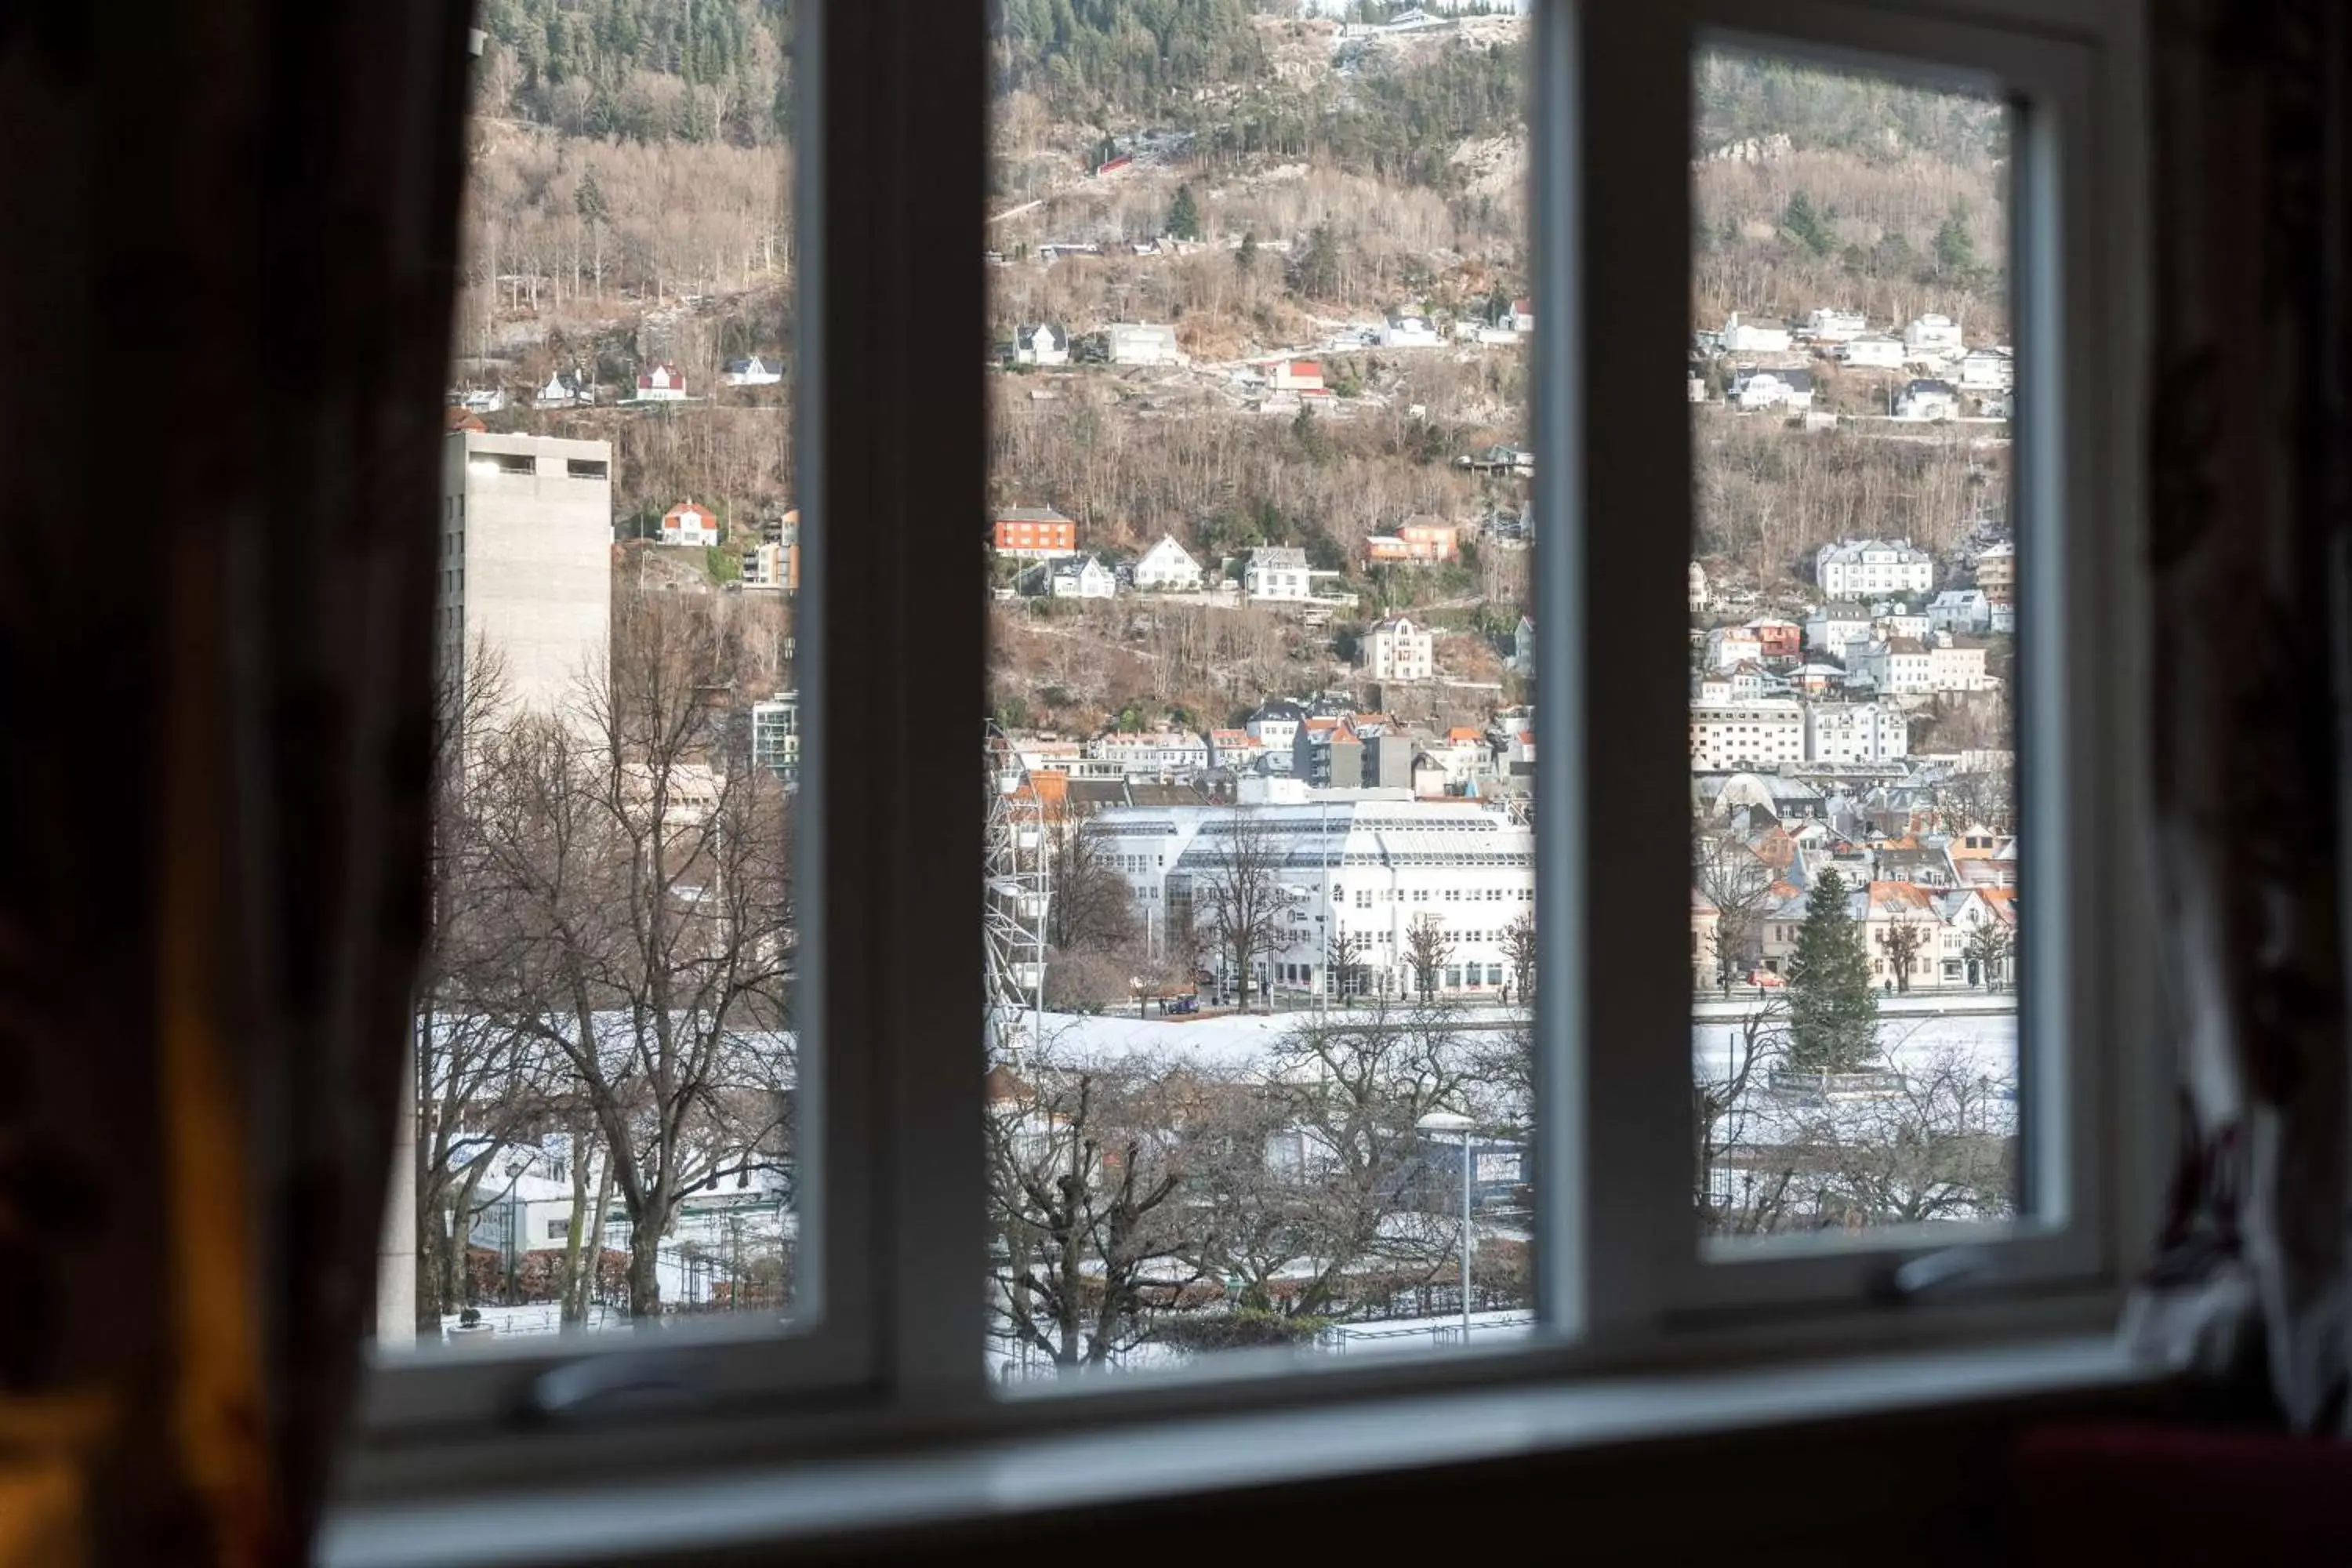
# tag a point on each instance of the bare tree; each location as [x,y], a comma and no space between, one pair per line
[648,866]
[1986,950]
[1901,942]
[1521,953]
[1427,949]
[1344,952]
[1239,901]
[1739,1188]
[1739,883]
[1086,1158]
[1091,907]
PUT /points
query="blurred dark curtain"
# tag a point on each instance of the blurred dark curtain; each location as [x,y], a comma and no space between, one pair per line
[2251,472]
[226,281]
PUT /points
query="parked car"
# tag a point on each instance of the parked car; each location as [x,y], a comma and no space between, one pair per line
[1183,1004]
[1764,979]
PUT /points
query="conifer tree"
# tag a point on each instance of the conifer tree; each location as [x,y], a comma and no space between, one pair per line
[1832,1017]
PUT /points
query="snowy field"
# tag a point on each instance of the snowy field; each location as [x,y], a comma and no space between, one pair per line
[1912,1036]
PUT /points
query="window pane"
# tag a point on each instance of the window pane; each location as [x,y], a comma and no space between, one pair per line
[606,1062]
[1258,554]
[1854,907]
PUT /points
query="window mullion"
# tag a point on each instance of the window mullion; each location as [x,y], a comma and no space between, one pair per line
[1613,215]
[903,456]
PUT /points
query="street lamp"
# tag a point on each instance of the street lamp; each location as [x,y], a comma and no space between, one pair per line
[1454,1121]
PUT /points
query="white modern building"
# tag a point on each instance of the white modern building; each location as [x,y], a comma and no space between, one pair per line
[1928,398]
[1989,369]
[1144,343]
[1740,337]
[1760,733]
[1874,350]
[1364,873]
[1277,571]
[526,563]
[1851,732]
[776,735]
[1700,597]
[1153,754]
[1869,568]
[1932,334]
[1829,325]
[1895,667]
[1398,649]
[1830,627]
[1167,568]
[1409,330]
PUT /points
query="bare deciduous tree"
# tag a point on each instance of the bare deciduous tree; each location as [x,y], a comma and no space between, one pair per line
[1239,902]
[1427,949]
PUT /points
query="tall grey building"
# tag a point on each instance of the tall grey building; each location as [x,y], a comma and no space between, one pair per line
[527,562]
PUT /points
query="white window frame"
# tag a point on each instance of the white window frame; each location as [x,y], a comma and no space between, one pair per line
[889,1332]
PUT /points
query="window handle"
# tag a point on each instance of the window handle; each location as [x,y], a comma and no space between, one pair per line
[630,1382]
[1939,1273]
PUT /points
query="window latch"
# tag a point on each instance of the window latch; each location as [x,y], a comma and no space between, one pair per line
[1939,1273]
[615,1381]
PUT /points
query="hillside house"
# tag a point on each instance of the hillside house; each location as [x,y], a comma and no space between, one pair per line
[1830,325]
[661,384]
[1928,399]
[1070,577]
[1960,610]
[1144,343]
[1167,568]
[1398,649]
[1409,330]
[1740,337]
[1931,336]
[1295,375]
[1779,638]
[1033,533]
[1277,572]
[1699,595]
[1780,387]
[1422,539]
[567,389]
[1873,351]
[688,524]
[757,371]
[1042,343]
[1523,648]
[1867,568]
[1989,369]
[1895,667]
[1832,627]
[1953,665]
[1728,646]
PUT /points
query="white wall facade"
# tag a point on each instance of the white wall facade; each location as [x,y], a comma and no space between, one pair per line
[527,562]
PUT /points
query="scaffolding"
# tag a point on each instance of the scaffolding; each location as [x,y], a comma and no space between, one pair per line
[1016,879]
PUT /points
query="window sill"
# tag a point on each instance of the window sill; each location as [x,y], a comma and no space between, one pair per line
[979,1482]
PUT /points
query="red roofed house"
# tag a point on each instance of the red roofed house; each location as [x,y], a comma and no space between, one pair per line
[661,384]
[1893,906]
[1033,533]
[686,524]
[1295,375]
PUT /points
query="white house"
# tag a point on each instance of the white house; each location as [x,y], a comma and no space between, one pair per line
[1163,752]
[1776,389]
[1274,726]
[1277,572]
[756,371]
[1873,351]
[1409,330]
[661,384]
[567,389]
[1849,733]
[1397,649]
[1834,326]
[1928,399]
[1957,667]
[688,524]
[1072,577]
[1960,610]
[1831,628]
[1041,345]
[1866,568]
[1932,335]
[1740,337]
[1699,596]
[1523,646]
[1761,733]
[1887,621]
[1167,568]
[1143,342]
[1989,369]
[1730,646]
[1895,667]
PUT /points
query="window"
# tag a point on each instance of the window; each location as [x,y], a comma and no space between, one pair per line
[876,1234]
[586,467]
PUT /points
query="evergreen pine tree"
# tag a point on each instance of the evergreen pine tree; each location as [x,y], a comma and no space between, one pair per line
[1183,216]
[1245,258]
[1956,253]
[1805,225]
[1832,1017]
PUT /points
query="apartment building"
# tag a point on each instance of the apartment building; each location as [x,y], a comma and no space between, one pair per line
[1761,733]
[526,563]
